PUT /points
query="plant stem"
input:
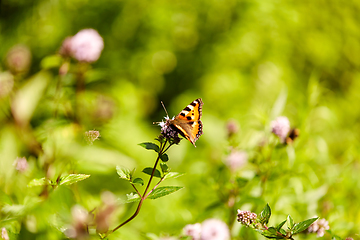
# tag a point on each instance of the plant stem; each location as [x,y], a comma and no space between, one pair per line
[144,196]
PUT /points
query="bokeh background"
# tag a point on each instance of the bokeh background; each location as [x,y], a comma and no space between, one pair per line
[249,61]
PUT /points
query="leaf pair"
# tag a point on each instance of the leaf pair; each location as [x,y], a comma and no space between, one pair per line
[65,180]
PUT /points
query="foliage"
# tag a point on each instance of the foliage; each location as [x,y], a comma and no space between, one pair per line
[70,128]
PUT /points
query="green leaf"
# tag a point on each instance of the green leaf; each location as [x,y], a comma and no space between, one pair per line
[164,157]
[271,233]
[173,175]
[150,146]
[39,182]
[278,227]
[291,221]
[163,191]
[132,197]
[301,226]
[241,182]
[149,170]
[52,61]
[123,173]
[28,97]
[164,168]
[72,178]
[139,181]
[265,214]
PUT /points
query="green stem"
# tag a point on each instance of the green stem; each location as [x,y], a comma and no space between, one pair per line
[144,196]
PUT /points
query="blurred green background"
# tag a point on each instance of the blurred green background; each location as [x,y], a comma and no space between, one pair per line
[249,61]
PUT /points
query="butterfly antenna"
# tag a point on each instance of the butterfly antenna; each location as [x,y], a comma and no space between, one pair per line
[164,108]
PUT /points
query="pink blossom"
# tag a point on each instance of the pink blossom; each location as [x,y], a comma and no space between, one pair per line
[236,160]
[281,127]
[193,230]
[214,229]
[21,164]
[86,45]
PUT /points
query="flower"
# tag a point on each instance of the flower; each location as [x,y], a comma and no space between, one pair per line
[86,45]
[91,136]
[236,159]
[21,164]
[319,227]
[4,234]
[214,229]
[168,132]
[281,127]
[193,230]
[246,217]
[104,213]
[18,59]
[80,221]
[232,127]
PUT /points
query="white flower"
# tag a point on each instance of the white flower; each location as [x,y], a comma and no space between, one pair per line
[236,160]
[214,229]
[281,127]
[193,230]
[86,45]
[319,226]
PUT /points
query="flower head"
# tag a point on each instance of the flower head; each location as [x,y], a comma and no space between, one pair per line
[168,132]
[18,59]
[319,227]
[104,213]
[193,230]
[246,217]
[281,127]
[21,164]
[236,159]
[80,221]
[91,136]
[214,229]
[85,46]
[232,127]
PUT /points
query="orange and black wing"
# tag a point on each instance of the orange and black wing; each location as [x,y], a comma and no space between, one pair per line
[188,121]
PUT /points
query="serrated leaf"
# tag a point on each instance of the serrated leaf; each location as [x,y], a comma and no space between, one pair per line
[163,191]
[291,221]
[150,146]
[164,168]
[301,226]
[173,175]
[164,157]
[123,173]
[39,182]
[72,178]
[149,170]
[280,225]
[265,214]
[139,181]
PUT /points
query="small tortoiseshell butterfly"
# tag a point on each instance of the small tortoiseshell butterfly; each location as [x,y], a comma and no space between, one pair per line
[188,122]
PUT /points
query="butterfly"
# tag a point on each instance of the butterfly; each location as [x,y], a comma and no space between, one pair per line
[188,122]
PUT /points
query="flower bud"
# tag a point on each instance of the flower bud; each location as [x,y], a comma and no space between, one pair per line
[281,127]
[246,217]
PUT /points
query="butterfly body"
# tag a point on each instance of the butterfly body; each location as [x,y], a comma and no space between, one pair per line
[188,122]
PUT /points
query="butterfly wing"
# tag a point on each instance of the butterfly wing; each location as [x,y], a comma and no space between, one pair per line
[188,121]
